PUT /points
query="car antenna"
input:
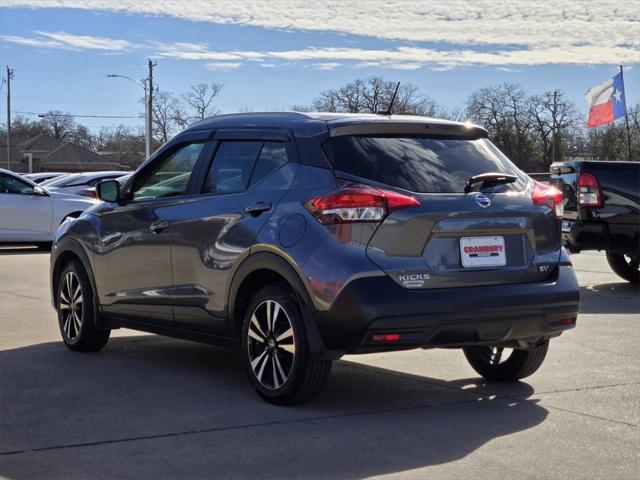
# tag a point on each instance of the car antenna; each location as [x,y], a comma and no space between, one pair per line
[393,99]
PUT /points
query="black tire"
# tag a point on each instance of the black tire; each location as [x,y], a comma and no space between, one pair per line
[71,312]
[273,349]
[520,364]
[625,266]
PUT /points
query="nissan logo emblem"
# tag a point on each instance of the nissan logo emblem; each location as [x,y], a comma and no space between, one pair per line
[483,201]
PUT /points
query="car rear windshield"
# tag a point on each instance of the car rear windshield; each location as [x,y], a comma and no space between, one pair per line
[420,164]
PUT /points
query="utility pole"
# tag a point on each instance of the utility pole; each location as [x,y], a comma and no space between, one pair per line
[626,119]
[149,109]
[553,125]
[9,78]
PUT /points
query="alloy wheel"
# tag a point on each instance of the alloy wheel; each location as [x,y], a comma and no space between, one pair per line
[70,305]
[271,344]
[496,355]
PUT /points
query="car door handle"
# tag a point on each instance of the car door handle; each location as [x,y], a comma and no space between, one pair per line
[257,208]
[159,225]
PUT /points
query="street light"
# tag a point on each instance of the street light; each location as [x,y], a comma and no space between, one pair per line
[147,110]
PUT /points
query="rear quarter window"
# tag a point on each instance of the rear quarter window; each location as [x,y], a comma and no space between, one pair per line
[420,164]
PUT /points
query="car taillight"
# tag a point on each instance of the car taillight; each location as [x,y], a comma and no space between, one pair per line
[547,195]
[357,203]
[589,194]
[88,192]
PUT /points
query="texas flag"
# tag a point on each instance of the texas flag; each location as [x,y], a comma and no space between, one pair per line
[606,102]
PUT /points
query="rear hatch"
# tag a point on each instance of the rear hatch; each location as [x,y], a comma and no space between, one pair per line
[494,234]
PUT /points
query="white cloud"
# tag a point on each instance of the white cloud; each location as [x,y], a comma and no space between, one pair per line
[532,24]
[223,66]
[500,33]
[327,65]
[68,41]
[200,51]
[508,70]
[411,58]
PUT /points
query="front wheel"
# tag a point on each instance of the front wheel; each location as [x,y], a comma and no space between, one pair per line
[505,364]
[625,266]
[276,351]
[74,303]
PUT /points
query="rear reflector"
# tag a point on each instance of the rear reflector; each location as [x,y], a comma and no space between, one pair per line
[566,321]
[589,194]
[357,203]
[547,195]
[386,337]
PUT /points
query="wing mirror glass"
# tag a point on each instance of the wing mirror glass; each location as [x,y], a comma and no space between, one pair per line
[108,191]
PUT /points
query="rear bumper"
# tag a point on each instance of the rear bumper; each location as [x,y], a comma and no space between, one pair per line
[593,235]
[452,317]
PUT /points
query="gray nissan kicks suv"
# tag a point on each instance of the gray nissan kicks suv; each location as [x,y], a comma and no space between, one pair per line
[303,237]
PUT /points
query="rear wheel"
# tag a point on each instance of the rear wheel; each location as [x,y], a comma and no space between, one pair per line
[276,350]
[625,266]
[505,364]
[74,303]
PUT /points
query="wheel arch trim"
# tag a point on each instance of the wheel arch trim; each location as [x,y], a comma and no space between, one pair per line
[273,262]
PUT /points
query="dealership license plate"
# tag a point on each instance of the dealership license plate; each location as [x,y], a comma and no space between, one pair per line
[482,252]
[566,226]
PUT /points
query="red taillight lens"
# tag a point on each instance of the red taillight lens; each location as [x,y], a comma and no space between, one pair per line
[547,195]
[357,203]
[386,337]
[88,192]
[589,194]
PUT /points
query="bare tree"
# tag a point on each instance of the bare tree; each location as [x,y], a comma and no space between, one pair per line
[59,125]
[554,119]
[165,113]
[372,95]
[201,98]
[24,128]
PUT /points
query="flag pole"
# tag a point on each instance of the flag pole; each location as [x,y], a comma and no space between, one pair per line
[626,118]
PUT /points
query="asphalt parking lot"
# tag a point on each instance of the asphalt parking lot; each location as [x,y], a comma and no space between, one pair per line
[150,407]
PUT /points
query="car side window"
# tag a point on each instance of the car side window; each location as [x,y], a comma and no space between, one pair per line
[169,177]
[232,167]
[11,184]
[272,156]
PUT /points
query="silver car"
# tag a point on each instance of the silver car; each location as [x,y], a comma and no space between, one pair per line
[30,212]
[77,182]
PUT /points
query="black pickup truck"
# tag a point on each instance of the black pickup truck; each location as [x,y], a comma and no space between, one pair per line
[602,210]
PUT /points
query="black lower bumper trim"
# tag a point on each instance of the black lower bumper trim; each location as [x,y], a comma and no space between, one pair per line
[448,317]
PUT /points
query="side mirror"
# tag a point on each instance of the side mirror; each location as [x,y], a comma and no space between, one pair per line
[108,191]
[39,191]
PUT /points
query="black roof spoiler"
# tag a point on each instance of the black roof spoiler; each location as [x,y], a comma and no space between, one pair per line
[471,132]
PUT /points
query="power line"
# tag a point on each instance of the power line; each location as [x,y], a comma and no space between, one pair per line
[77,116]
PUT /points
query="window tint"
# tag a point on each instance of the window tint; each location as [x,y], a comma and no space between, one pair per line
[232,167]
[170,177]
[11,184]
[272,156]
[425,165]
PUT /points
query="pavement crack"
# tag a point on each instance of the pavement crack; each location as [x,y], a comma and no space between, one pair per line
[589,415]
[234,427]
[24,296]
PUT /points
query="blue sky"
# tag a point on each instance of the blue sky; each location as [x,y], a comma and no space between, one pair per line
[271,55]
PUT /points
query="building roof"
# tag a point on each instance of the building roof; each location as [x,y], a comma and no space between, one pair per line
[41,143]
[69,156]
